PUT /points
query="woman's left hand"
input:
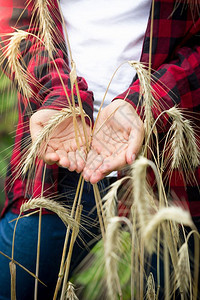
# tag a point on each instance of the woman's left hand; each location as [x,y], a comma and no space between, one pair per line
[117,139]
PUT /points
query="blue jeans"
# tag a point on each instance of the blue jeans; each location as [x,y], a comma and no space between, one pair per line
[52,240]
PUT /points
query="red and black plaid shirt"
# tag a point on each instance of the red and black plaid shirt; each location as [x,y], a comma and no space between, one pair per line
[176,65]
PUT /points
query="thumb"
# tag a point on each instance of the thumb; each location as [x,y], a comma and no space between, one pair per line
[134,145]
[38,120]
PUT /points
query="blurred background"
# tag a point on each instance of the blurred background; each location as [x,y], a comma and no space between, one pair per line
[8,120]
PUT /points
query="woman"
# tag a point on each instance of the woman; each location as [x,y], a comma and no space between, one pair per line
[176,61]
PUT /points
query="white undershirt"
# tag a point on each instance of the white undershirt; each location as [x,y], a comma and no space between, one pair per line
[103,34]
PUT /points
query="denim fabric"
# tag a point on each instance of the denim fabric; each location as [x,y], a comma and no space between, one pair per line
[52,239]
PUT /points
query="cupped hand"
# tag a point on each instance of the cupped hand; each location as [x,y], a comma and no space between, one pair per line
[62,148]
[117,139]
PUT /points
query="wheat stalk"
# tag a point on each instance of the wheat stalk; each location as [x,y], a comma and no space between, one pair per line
[73,237]
[39,238]
[111,254]
[166,270]
[61,271]
[51,205]
[100,211]
[21,266]
[12,267]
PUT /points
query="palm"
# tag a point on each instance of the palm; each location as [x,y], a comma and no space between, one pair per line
[64,147]
[117,138]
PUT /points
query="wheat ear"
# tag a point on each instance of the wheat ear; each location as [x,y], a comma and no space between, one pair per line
[16,66]
[176,214]
[139,181]
[51,205]
[196,236]
[145,92]
[45,23]
[140,189]
[184,144]
[110,199]
[150,295]
[183,272]
[70,295]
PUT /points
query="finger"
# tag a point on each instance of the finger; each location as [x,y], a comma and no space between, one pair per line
[113,163]
[72,161]
[38,120]
[134,146]
[96,176]
[50,157]
[80,160]
[63,159]
[109,165]
[94,161]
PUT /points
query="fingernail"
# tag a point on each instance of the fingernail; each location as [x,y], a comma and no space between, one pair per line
[85,178]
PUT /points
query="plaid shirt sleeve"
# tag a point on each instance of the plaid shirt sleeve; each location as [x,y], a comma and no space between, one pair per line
[175,81]
[175,61]
[45,82]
